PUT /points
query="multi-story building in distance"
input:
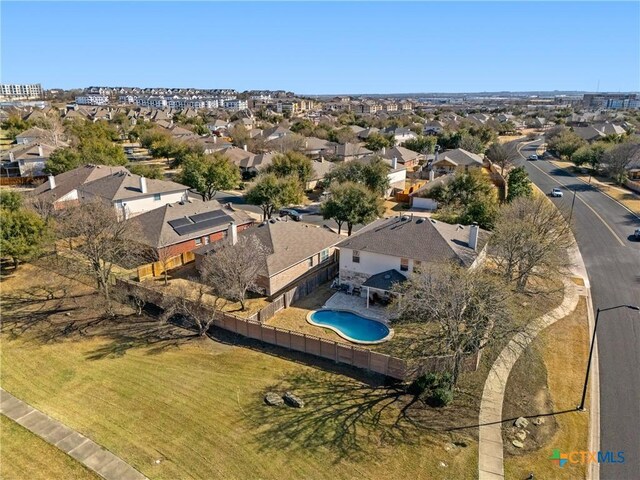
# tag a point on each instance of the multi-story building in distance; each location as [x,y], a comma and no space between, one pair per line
[21,92]
[613,101]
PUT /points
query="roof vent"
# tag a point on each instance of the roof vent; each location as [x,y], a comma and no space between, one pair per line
[433,221]
[420,220]
[404,218]
[273,220]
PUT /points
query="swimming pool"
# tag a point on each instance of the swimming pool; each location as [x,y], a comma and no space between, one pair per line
[351,326]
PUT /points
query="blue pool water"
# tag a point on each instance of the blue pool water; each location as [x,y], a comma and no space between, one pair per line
[351,325]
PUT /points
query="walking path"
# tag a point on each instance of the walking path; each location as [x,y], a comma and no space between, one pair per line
[490,448]
[86,451]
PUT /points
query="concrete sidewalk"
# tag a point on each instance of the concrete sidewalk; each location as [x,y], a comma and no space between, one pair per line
[86,451]
[490,447]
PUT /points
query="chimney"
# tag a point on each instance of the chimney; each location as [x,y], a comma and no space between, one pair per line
[233,233]
[394,163]
[40,151]
[143,185]
[432,175]
[52,182]
[473,235]
[244,147]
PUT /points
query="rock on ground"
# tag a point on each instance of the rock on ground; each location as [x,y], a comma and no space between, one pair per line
[518,444]
[293,400]
[273,399]
[521,422]
[521,435]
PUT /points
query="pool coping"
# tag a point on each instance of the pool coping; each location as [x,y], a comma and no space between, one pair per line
[388,337]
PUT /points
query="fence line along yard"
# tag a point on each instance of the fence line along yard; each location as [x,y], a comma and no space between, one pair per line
[359,357]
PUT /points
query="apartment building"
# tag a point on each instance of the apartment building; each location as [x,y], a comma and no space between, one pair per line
[21,91]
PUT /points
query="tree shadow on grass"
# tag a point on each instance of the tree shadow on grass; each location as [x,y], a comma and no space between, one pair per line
[48,315]
[349,419]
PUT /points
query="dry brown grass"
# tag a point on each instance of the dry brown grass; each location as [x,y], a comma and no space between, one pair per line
[548,378]
[148,391]
[26,456]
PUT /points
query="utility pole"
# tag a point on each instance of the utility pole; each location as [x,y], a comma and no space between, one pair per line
[572,204]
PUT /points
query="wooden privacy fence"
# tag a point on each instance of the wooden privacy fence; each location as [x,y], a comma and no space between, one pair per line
[310,283]
[156,269]
[356,356]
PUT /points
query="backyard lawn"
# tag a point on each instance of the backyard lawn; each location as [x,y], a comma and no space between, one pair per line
[25,455]
[149,391]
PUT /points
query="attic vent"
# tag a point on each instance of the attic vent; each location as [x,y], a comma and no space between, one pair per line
[420,220]
[404,218]
[387,277]
[433,221]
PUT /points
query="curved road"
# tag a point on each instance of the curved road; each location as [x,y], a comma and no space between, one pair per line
[603,229]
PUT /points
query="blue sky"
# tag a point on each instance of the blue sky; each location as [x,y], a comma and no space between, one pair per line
[325,47]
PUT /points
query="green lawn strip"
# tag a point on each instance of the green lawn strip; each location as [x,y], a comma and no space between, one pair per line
[25,456]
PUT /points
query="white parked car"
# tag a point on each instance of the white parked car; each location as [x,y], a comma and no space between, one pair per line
[533,157]
[556,192]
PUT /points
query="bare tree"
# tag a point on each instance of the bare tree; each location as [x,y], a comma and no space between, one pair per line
[164,254]
[502,155]
[233,269]
[618,158]
[531,239]
[199,305]
[463,303]
[103,242]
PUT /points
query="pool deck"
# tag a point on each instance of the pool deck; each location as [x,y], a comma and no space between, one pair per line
[342,301]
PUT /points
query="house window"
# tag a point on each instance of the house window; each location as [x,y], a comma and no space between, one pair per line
[356,256]
[324,254]
[206,240]
[198,241]
[404,264]
[157,197]
[310,262]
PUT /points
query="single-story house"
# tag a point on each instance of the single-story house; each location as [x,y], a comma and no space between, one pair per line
[388,250]
[32,135]
[181,227]
[26,160]
[457,159]
[350,151]
[407,158]
[293,250]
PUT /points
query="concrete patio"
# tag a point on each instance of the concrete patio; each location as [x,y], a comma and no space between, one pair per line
[342,301]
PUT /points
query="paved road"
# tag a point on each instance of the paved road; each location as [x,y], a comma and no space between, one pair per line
[603,230]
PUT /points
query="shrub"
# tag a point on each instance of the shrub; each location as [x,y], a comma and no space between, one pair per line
[440,397]
[434,388]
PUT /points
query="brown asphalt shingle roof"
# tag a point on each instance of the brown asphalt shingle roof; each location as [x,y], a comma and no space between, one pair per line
[287,243]
[73,179]
[155,230]
[122,185]
[417,238]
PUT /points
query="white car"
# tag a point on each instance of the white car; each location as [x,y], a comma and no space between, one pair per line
[533,157]
[556,192]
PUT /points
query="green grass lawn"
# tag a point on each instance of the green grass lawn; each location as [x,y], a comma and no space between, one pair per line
[148,391]
[26,456]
